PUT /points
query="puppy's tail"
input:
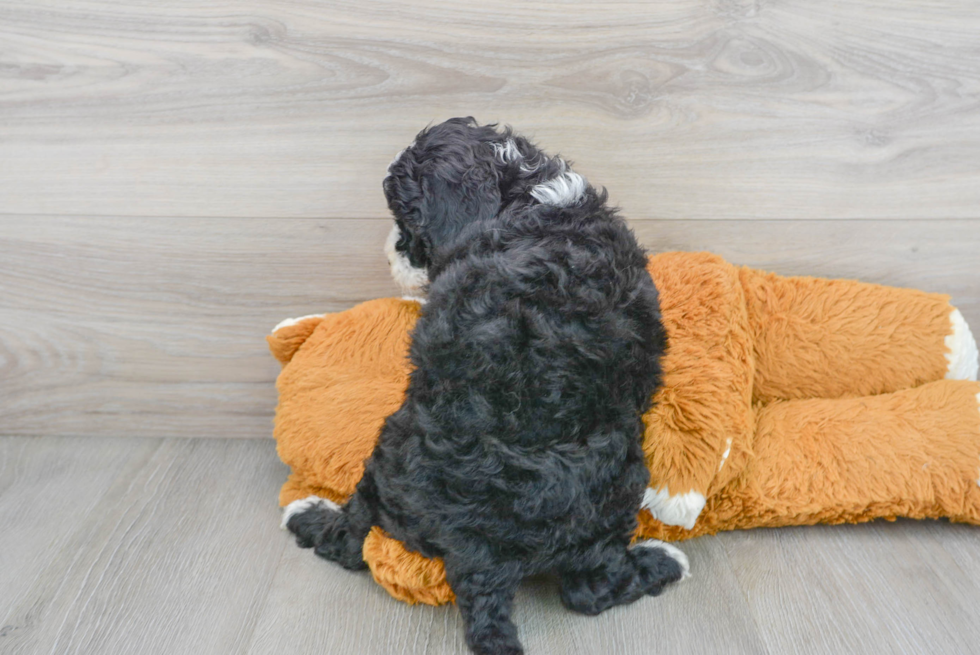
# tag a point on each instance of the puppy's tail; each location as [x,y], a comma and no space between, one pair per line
[326,527]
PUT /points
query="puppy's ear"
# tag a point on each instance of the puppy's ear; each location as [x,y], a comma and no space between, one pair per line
[458,193]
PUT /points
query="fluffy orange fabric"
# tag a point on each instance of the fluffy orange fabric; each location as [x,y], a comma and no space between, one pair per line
[786,401]
[816,338]
[335,392]
[705,403]
[406,575]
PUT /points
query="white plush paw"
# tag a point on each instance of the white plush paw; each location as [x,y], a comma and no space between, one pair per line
[963,357]
[673,552]
[304,504]
[682,510]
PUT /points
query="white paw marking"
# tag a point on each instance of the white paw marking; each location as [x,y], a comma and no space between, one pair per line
[304,504]
[412,280]
[963,358]
[682,510]
[562,191]
[673,552]
[293,321]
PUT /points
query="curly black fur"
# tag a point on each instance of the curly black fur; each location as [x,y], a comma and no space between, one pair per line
[518,447]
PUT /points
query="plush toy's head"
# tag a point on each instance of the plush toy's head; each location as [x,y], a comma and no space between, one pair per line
[458,173]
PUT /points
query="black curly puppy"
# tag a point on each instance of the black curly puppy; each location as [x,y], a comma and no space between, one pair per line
[518,447]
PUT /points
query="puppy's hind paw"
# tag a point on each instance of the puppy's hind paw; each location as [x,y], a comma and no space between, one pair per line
[659,563]
[306,518]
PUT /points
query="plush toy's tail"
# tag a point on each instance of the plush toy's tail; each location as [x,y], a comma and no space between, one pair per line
[321,524]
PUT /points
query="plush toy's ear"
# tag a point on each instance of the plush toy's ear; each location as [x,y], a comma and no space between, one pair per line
[288,336]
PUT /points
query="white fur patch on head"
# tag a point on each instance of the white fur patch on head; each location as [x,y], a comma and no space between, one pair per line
[304,505]
[563,190]
[399,156]
[507,151]
[673,552]
[293,321]
[682,510]
[962,355]
[412,280]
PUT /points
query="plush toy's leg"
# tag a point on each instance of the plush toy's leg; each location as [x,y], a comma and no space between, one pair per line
[817,338]
[913,453]
[615,575]
[335,533]
[485,596]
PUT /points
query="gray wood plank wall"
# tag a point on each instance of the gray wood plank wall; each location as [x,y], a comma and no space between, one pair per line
[175,178]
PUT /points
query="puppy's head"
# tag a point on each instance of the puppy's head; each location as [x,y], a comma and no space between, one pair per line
[455,174]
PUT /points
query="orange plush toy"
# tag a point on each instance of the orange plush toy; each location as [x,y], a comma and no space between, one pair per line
[786,401]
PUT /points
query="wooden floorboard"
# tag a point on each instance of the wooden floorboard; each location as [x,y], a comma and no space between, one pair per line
[684,109]
[304,614]
[155,327]
[49,488]
[161,546]
[173,556]
[879,588]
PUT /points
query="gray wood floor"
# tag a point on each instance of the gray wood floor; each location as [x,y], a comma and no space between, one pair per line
[139,546]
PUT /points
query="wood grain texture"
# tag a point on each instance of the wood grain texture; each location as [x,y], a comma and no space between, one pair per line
[174,556]
[879,588]
[49,488]
[155,327]
[162,546]
[315,607]
[158,327]
[686,109]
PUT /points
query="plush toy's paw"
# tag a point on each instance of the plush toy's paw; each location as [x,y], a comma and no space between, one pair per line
[681,509]
[962,356]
